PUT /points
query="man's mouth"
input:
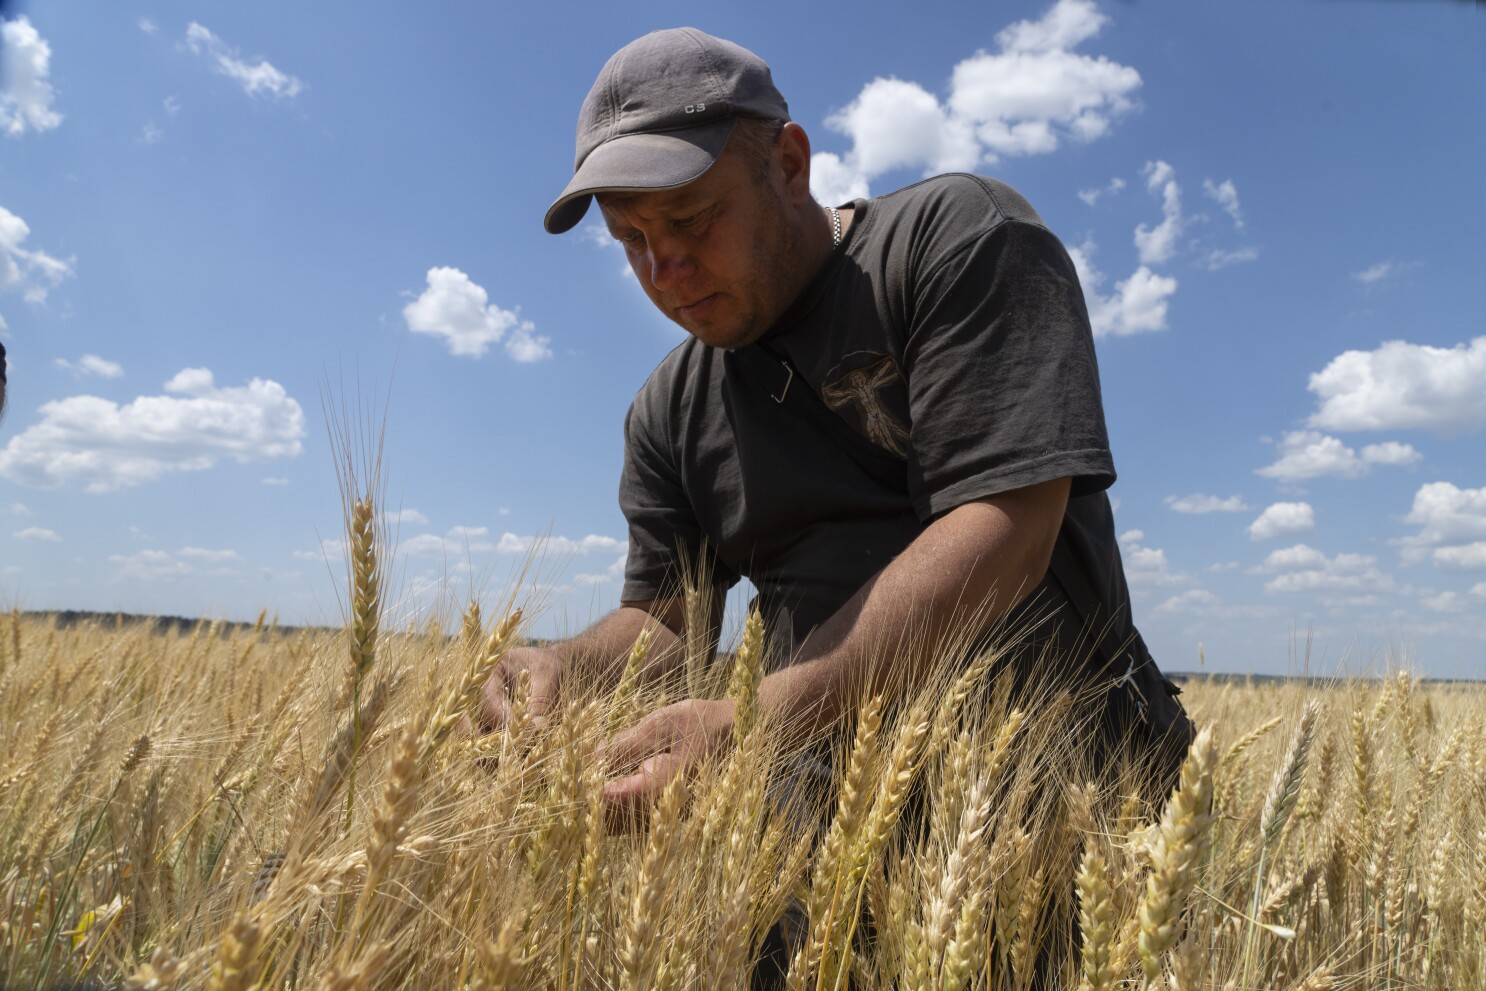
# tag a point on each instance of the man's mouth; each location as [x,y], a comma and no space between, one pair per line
[696,307]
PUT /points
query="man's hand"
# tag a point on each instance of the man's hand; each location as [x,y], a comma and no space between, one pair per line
[545,666]
[670,741]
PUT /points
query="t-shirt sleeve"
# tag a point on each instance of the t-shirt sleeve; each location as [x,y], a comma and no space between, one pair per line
[664,535]
[1003,385]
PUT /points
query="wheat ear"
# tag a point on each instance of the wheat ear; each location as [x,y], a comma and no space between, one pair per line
[1180,844]
[1095,920]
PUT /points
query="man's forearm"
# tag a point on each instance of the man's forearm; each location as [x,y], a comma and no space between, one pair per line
[972,565]
[603,648]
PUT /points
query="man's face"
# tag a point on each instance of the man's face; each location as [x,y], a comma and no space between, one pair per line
[715,255]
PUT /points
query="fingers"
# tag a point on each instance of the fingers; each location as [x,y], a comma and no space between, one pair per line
[495,701]
[545,674]
[626,749]
[628,799]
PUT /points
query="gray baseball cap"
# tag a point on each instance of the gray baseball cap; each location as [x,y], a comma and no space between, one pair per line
[660,113]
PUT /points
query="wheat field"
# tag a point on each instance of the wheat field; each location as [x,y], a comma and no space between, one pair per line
[256,808]
[245,807]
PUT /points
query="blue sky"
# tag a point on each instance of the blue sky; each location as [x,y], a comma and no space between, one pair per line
[216,219]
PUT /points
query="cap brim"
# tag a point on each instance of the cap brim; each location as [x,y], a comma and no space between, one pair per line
[630,162]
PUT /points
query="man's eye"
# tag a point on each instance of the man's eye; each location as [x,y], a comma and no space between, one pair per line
[632,237]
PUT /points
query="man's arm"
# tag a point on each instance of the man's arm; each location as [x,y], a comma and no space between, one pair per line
[599,652]
[974,563]
[979,559]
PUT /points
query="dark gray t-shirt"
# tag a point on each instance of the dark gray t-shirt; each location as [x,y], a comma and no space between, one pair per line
[949,354]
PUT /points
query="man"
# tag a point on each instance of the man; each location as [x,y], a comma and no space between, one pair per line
[887,417]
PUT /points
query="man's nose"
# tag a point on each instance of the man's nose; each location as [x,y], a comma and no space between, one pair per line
[670,264]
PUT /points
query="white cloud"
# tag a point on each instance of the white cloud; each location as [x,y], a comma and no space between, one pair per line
[1138,304]
[1283,519]
[1225,194]
[411,516]
[1197,503]
[150,134]
[91,364]
[1466,557]
[19,509]
[1092,196]
[1448,514]
[1401,386]
[274,480]
[1479,589]
[172,105]
[462,540]
[147,26]
[1145,566]
[833,182]
[1192,600]
[157,565]
[255,77]
[1031,95]
[1446,602]
[25,94]
[1157,244]
[1374,274]
[458,310]
[510,543]
[1219,258]
[37,533]
[1452,527]
[106,446]
[1304,569]
[203,554]
[1310,454]
[31,273]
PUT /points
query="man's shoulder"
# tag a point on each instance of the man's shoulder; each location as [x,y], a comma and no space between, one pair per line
[959,199]
[681,375]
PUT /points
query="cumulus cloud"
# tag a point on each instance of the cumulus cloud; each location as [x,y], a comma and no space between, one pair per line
[1225,194]
[1027,98]
[25,67]
[1220,258]
[1311,454]
[1093,196]
[158,565]
[1198,504]
[1400,386]
[274,480]
[458,310]
[1452,526]
[410,516]
[1374,274]
[461,540]
[147,26]
[105,446]
[91,364]
[1302,568]
[1445,602]
[1146,566]
[37,533]
[32,273]
[1283,519]
[256,78]
[1138,304]
[1157,244]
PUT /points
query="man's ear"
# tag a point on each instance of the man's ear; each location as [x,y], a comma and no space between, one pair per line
[793,151]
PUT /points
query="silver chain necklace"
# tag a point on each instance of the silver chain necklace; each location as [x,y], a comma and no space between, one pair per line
[835,227]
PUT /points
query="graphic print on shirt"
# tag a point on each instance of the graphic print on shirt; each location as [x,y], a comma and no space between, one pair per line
[867,389]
